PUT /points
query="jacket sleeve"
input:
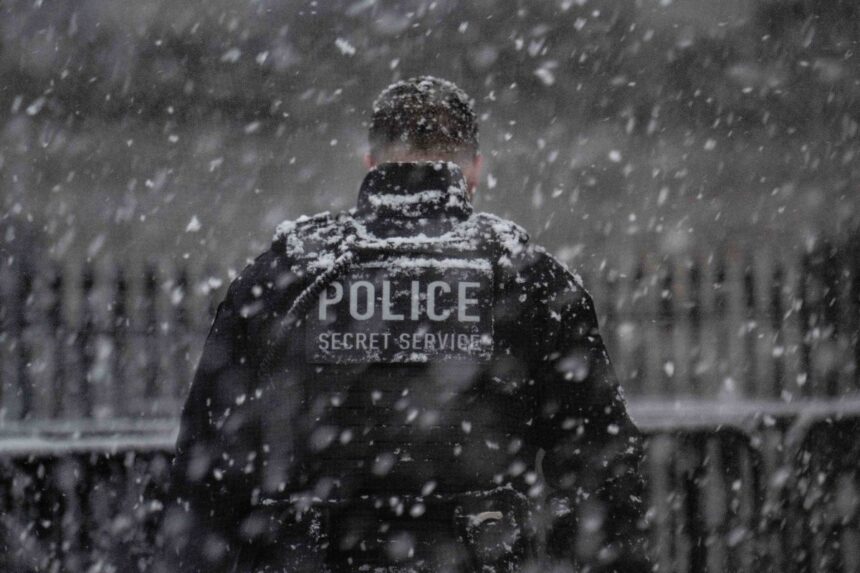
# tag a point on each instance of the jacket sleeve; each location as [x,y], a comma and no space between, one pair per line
[592,448]
[211,483]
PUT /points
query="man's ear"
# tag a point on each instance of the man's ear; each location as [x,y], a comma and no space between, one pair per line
[369,161]
[472,174]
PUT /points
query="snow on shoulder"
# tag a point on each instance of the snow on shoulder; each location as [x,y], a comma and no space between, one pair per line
[315,242]
[294,237]
[512,237]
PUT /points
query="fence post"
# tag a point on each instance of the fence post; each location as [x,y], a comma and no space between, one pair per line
[627,327]
[666,327]
[736,382]
[806,327]
[182,332]
[23,356]
[752,329]
[638,314]
[694,314]
[119,336]
[59,335]
[652,342]
[150,317]
[661,450]
[831,308]
[714,344]
[854,314]
[763,342]
[678,367]
[85,339]
[777,312]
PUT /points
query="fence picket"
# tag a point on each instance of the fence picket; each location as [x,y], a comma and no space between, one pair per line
[665,326]
[119,326]
[86,343]
[638,312]
[627,328]
[735,369]
[805,316]
[714,505]
[150,325]
[686,481]
[846,324]
[713,310]
[778,336]
[793,329]
[57,334]
[653,338]
[660,453]
[180,300]
[695,358]
[750,328]
[678,367]
[763,343]
[853,315]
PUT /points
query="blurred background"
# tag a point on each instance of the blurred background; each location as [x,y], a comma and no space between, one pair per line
[696,161]
[659,147]
[191,129]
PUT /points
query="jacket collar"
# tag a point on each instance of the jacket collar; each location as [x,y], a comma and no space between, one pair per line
[398,193]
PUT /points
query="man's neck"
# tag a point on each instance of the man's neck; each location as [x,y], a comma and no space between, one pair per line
[395,194]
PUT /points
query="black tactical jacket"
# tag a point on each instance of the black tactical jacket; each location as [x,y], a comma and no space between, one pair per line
[408,382]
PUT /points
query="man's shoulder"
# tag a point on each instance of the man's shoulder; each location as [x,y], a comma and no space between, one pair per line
[311,242]
[556,271]
[303,237]
[530,265]
[545,276]
[511,237]
[304,223]
[296,246]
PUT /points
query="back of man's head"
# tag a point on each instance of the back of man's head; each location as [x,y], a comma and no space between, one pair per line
[423,118]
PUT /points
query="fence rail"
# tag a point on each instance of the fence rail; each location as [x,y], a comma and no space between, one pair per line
[114,339]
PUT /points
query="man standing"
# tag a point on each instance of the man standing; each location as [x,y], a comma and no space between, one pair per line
[407,386]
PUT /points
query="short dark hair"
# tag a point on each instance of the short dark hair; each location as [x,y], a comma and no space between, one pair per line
[424,114]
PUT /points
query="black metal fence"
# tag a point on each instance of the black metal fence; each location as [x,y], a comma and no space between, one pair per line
[782,496]
[741,365]
[113,339]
